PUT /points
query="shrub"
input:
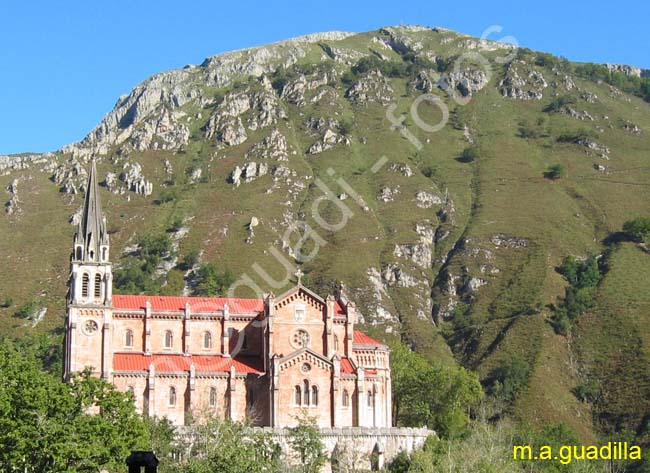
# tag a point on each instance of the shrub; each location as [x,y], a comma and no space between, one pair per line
[176,224]
[510,377]
[589,391]
[576,136]
[556,171]
[167,195]
[469,155]
[638,229]
[212,282]
[27,310]
[560,102]
[346,125]
[8,303]
[190,259]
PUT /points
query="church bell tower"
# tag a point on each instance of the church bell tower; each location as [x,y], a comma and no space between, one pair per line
[90,290]
[91,275]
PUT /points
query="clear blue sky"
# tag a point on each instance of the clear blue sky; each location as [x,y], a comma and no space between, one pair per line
[63,64]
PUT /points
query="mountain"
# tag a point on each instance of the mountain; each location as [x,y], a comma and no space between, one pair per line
[449,237]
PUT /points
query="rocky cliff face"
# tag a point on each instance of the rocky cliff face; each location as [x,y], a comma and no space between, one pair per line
[299,152]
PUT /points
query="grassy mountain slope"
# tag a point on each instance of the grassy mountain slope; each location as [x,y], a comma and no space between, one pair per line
[478,257]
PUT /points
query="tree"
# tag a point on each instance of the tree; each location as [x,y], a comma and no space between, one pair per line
[510,377]
[46,425]
[212,282]
[469,155]
[638,229]
[556,171]
[432,395]
[305,441]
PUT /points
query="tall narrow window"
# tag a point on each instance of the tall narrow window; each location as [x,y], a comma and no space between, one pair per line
[172,396]
[213,397]
[98,285]
[207,340]
[169,339]
[314,395]
[85,282]
[128,338]
[79,252]
[346,398]
[305,393]
[297,395]
[336,343]
[370,400]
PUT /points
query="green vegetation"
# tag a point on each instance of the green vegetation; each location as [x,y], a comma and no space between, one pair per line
[507,380]
[213,282]
[556,171]
[583,277]
[560,102]
[45,424]
[638,229]
[432,395]
[470,154]
[635,85]
[27,310]
[136,273]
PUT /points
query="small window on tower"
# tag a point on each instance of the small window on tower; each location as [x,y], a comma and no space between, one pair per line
[104,254]
[98,286]
[79,253]
[213,397]
[172,396]
[207,340]
[346,398]
[85,282]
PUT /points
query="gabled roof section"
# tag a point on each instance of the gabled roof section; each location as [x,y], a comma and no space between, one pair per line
[180,363]
[197,304]
[91,232]
[339,308]
[360,338]
[347,367]
[304,352]
[298,289]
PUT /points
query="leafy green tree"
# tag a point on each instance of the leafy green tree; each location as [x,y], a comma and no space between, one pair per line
[554,172]
[213,282]
[306,442]
[47,425]
[510,377]
[231,447]
[470,155]
[432,395]
[638,229]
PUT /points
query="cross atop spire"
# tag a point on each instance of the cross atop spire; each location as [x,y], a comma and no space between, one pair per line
[298,275]
[91,240]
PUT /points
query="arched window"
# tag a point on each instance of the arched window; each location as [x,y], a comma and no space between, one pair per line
[128,338]
[79,253]
[169,339]
[305,392]
[104,254]
[207,340]
[336,343]
[172,396]
[98,285]
[85,282]
[213,397]
[314,395]
[346,398]
[370,400]
[297,395]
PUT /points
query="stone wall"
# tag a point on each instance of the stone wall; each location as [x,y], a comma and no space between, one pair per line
[362,448]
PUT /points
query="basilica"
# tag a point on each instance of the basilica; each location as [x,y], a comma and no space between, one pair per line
[268,361]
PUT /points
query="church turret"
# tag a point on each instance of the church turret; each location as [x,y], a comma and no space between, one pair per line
[91,278]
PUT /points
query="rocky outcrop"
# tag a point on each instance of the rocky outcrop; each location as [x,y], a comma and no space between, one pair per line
[571,112]
[329,139]
[295,91]
[134,180]
[248,172]
[11,206]
[387,194]
[19,162]
[272,147]
[631,71]
[522,82]
[401,168]
[467,81]
[70,176]
[426,200]
[371,88]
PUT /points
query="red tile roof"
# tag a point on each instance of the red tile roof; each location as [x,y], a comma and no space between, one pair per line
[197,304]
[339,309]
[346,366]
[361,338]
[176,363]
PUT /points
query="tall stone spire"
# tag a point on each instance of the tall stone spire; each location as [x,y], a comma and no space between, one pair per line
[91,241]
